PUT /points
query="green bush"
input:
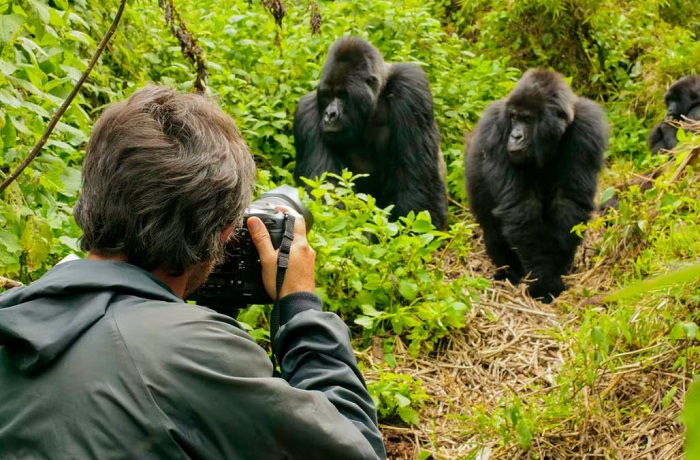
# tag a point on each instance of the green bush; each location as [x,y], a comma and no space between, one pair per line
[382,275]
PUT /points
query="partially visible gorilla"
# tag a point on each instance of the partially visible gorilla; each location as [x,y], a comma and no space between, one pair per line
[682,100]
[374,118]
[531,171]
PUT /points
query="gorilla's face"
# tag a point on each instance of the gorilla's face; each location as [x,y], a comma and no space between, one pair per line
[682,97]
[539,110]
[347,99]
[522,123]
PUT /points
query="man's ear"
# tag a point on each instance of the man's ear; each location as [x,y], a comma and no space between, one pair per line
[226,233]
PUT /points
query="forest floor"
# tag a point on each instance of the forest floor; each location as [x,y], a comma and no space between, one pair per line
[514,346]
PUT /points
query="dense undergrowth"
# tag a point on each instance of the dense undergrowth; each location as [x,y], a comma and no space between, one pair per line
[405,295]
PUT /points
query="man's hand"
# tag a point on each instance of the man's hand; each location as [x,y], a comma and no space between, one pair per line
[300,273]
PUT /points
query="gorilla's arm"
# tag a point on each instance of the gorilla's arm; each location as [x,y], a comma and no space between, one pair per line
[580,162]
[663,136]
[414,145]
[313,158]
[486,168]
[694,113]
[656,138]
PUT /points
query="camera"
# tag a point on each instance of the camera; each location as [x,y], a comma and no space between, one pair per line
[237,282]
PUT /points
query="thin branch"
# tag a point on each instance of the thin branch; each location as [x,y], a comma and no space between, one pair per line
[188,44]
[316,18]
[8,283]
[59,113]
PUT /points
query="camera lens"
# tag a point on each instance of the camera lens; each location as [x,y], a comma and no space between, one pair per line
[284,195]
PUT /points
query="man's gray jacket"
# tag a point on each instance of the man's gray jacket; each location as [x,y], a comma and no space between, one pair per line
[100,360]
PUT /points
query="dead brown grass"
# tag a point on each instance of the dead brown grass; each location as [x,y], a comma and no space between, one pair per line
[512,346]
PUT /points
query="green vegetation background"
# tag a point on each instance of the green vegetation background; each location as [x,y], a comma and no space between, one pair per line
[409,286]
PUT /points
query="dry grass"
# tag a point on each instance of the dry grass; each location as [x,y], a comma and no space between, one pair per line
[512,346]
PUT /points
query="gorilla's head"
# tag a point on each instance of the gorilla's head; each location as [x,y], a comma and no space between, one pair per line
[540,108]
[351,81]
[682,96]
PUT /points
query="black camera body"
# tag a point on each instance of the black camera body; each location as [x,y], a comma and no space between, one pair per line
[237,282]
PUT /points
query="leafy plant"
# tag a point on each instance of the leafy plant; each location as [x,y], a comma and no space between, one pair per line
[396,394]
[382,275]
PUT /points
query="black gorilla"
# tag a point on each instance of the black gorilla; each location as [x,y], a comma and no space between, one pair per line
[682,100]
[531,171]
[373,118]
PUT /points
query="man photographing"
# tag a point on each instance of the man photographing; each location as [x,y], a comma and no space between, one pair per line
[101,358]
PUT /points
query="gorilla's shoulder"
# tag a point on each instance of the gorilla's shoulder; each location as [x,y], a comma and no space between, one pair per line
[586,109]
[590,120]
[495,110]
[493,123]
[407,71]
[409,80]
[306,101]
[587,137]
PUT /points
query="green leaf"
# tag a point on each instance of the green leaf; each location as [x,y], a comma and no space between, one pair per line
[70,242]
[691,418]
[689,274]
[369,310]
[36,240]
[408,289]
[41,10]
[372,281]
[598,337]
[607,194]
[71,179]
[409,415]
[364,321]
[669,397]
[80,37]
[337,225]
[10,241]
[397,323]
[681,135]
[9,26]
[9,133]
[422,224]
[401,400]
[691,330]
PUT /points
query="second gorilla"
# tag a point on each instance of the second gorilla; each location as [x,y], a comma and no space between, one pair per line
[374,118]
[531,171]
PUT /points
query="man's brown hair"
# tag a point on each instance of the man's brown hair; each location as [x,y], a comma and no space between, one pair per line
[164,174]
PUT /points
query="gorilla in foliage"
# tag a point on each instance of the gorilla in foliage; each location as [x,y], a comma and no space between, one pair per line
[682,100]
[531,171]
[373,118]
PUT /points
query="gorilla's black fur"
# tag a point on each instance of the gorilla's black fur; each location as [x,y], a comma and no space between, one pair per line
[374,118]
[682,100]
[531,171]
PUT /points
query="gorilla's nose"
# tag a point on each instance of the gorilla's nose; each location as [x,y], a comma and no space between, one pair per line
[331,115]
[517,136]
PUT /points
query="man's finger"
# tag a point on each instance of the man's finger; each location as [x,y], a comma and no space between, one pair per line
[299,222]
[261,239]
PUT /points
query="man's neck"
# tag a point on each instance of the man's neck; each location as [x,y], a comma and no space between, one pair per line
[176,283]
